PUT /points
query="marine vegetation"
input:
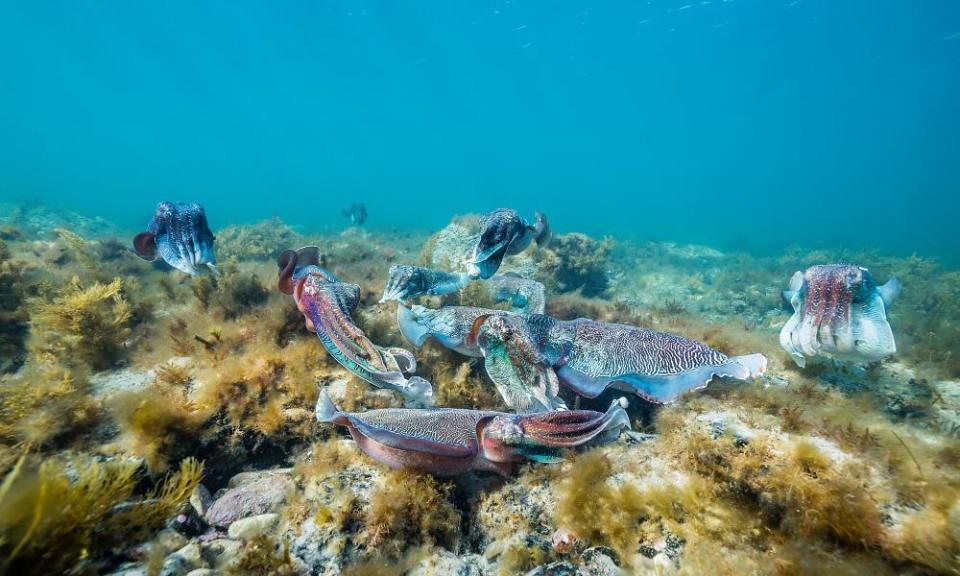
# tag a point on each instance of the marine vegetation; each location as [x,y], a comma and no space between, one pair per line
[81,326]
[13,314]
[130,372]
[582,264]
[258,242]
[69,513]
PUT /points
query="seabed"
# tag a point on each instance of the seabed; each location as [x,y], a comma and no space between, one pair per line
[157,423]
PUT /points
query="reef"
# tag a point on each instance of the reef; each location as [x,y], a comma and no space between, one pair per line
[153,422]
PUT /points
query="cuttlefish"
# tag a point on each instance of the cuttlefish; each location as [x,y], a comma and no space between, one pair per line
[529,356]
[327,305]
[451,441]
[840,312]
[405,282]
[178,233]
[504,232]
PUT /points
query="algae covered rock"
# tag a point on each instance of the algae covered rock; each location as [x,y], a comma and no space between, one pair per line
[261,241]
[583,263]
[259,496]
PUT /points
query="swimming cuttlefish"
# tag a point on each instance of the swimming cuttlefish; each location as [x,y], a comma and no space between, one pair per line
[327,305]
[451,441]
[405,282]
[504,232]
[528,356]
[840,312]
[179,234]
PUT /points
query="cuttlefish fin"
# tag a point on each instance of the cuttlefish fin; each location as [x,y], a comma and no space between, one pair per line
[326,411]
[145,246]
[890,291]
[415,332]
[796,282]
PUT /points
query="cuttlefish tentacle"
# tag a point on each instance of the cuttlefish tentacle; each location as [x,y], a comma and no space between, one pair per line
[449,441]
[326,305]
[405,282]
[840,313]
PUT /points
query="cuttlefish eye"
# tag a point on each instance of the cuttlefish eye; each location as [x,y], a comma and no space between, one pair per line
[503,433]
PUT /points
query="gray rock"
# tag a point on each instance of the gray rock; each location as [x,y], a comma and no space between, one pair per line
[249,499]
[448,563]
[561,568]
[203,572]
[257,475]
[220,553]
[191,554]
[600,561]
[174,565]
[250,528]
[200,500]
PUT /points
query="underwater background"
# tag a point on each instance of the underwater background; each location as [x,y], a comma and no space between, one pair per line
[728,122]
[166,405]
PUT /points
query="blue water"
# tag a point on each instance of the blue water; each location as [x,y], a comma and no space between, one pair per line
[746,122]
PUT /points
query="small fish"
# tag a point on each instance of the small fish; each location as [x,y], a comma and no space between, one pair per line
[357,214]
[178,233]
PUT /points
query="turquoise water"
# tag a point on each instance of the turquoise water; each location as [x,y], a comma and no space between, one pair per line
[735,123]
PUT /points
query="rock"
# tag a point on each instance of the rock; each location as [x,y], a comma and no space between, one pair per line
[259,496]
[191,554]
[203,572]
[449,564]
[561,568]
[174,565]
[130,569]
[200,500]
[257,475]
[106,384]
[250,528]
[220,553]
[170,540]
[600,561]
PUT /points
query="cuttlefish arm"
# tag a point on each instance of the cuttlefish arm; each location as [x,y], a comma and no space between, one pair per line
[543,436]
[522,374]
[447,442]
[405,282]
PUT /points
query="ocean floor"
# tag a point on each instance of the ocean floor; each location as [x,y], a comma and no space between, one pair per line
[157,423]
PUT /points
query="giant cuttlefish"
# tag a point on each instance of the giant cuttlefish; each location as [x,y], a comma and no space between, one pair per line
[527,356]
[179,234]
[405,282]
[327,305]
[504,232]
[840,312]
[450,441]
